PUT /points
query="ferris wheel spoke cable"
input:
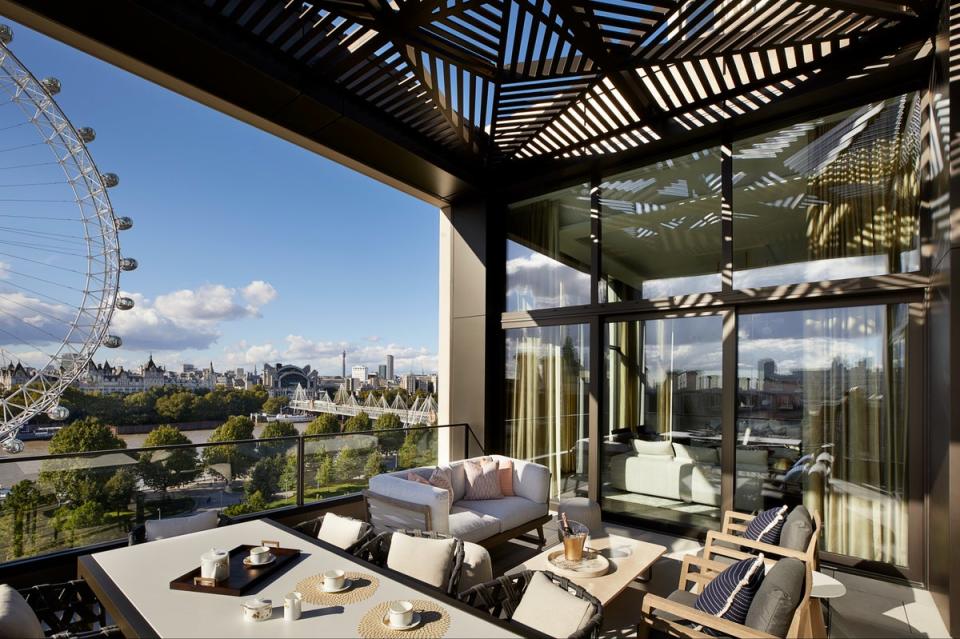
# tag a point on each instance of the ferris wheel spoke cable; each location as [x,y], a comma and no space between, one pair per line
[19,340]
[49,219]
[69,320]
[59,237]
[45,281]
[53,266]
[58,338]
[53,249]
[37,293]
[27,166]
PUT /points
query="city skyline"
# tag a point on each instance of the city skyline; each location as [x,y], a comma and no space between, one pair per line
[251,249]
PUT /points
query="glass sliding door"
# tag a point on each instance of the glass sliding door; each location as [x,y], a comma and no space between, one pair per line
[661,428]
[547,402]
[822,420]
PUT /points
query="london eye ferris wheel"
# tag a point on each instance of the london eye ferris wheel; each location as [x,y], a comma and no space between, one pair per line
[60,258]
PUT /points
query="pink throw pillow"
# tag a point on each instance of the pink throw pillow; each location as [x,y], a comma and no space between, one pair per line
[417,478]
[441,479]
[505,470]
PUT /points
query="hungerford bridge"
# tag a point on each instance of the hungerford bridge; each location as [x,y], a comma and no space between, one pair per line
[422,411]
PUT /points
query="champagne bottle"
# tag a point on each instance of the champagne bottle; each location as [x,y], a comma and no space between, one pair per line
[565,525]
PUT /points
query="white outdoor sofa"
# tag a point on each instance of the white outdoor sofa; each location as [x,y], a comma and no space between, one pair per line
[395,503]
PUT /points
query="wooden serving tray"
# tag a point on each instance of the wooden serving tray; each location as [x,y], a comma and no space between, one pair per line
[242,578]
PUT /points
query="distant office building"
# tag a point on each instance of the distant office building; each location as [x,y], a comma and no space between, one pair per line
[359,373]
[188,368]
[389,374]
[240,373]
[408,383]
[382,372]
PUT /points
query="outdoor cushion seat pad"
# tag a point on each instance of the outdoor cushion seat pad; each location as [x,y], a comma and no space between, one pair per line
[425,559]
[511,511]
[550,609]
[468,525]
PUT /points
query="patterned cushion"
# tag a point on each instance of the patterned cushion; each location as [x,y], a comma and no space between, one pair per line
[766,526]
[506,477]
[730,593]
[440,478]
[411,476]
[483,480]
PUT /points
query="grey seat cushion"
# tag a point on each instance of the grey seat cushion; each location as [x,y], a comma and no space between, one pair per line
[472,526]
[797,529]
[511,511]
[772,608]
[722,559]
[681,597]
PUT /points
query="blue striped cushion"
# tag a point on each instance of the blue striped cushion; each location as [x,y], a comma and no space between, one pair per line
[729,595]
[766,526]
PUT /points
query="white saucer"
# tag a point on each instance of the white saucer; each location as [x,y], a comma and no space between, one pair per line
[414,622]
[250,564]
[347,584]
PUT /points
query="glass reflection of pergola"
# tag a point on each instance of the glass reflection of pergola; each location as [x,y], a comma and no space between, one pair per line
[440,97]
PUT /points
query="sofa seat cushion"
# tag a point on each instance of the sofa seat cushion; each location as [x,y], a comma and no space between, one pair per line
[175,526]
[469,525]
[511,511]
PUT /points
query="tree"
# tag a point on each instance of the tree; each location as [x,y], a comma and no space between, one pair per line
[323,424]
[254,503]
[265,477]
[276,404]
[407,455]
[119,490]
[178,407]
[290,475]
[74,480]
[230,460]
[374,465]
[277,429]
[167,469]
[21,502]
[357,423]
[324,470]
[389,422]
[347,465]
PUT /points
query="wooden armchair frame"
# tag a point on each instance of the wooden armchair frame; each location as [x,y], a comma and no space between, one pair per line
[732,541]
[802,624]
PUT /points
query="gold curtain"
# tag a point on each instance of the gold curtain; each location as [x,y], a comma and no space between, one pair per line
[855,427]
[544,412]
[626,377]
[867,198]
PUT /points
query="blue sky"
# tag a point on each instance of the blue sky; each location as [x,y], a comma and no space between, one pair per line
[251,249]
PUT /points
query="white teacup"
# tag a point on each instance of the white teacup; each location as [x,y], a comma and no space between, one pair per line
[401,614]
[333,580]
[259,555]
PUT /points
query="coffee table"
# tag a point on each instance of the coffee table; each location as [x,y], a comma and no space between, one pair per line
[629,558]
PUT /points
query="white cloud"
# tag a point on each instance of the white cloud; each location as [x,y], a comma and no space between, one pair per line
[4,271]
[211,302]
[373,338]
[257,293]
[244,354]
[26,320]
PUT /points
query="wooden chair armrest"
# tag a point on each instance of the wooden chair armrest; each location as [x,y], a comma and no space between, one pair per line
[422,511]
[653,602]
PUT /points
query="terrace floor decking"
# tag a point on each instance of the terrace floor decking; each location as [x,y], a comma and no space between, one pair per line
[871,607]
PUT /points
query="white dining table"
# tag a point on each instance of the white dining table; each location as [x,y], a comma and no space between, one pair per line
[133,583]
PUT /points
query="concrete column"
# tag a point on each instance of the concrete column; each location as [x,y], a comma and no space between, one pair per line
[464,353]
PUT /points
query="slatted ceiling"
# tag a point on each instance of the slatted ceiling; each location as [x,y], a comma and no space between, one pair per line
[509,80]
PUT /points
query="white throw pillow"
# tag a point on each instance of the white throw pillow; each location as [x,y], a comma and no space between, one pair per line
[644,447]
[176,526]
[700,454]
[17,618]
[338,531]
[550,609]
[422,558]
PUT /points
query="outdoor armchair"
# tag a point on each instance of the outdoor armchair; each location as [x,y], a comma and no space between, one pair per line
[730,545]
[432,558]
[501,597]
[69,610]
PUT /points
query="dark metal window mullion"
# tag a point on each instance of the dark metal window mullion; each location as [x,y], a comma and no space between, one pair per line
[597,330]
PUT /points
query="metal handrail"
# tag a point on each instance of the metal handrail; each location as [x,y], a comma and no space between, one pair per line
[231,442]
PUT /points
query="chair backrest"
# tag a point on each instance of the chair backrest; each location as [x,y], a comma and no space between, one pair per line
[176,526]
[735,523]
[313,527]
[377,552]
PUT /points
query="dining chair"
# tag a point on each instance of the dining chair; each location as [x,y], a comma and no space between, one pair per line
[346,533]
[153,529]
[548,603]
[69,610]
[433,558]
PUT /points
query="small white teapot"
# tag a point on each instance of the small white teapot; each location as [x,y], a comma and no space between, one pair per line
[215,564]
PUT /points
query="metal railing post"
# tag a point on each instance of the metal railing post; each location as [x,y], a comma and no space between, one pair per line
[301,467]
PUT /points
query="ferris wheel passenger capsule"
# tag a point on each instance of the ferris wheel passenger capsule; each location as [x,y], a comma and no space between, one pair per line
[13,446]
[112,341]
[58,413]
[87,134]
[110,180]
[124,223]
[124,303]
[6,34]
[128,264]
[52,85]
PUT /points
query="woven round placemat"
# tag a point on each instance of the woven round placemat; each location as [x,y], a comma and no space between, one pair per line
[364,585]
[434,622]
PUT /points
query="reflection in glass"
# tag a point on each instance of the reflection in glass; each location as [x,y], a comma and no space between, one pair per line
[548,251]
[547,392]
[831,198]
[822,419]
[661,232]
[662,420]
